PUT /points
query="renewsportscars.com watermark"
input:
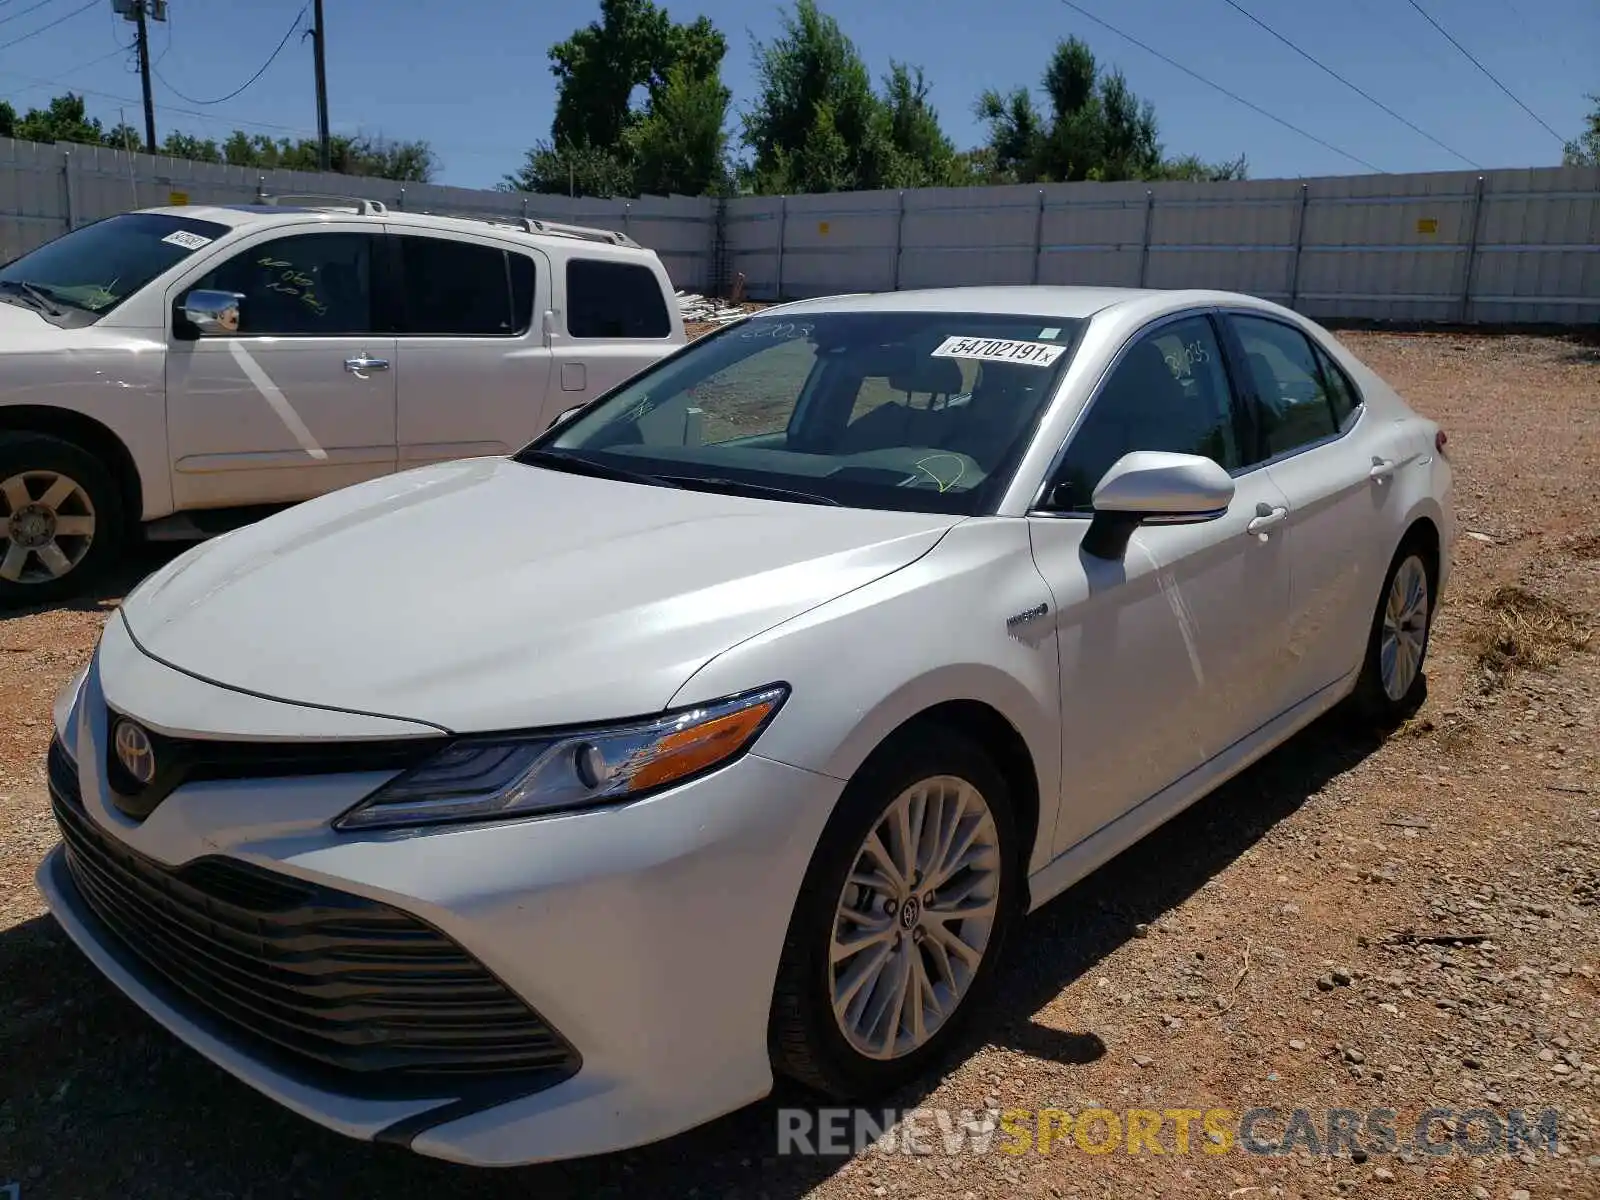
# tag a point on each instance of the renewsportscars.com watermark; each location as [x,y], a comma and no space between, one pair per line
[1265,1131]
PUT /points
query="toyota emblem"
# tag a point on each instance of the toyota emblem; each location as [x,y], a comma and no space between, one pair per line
[135,752]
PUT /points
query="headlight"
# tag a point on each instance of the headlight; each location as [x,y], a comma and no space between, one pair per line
[478,779]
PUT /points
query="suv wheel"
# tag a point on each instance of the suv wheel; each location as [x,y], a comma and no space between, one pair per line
[60,518]
[900,920]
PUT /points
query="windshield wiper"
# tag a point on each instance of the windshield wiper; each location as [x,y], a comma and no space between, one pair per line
[35,294]
[574,465]
[739,487]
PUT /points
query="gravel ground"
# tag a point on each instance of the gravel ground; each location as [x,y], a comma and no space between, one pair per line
[1354,923]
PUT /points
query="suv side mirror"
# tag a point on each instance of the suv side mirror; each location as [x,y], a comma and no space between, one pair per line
[208,314]
[1154,487]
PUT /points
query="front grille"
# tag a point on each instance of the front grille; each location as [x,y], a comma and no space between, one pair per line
[331,979]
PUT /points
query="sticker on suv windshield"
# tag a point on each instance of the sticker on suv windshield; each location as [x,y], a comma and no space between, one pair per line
[1033,354]
[189,241]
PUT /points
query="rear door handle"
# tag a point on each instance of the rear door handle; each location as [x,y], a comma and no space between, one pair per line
[1382,468]
[362,363]
[1267,516]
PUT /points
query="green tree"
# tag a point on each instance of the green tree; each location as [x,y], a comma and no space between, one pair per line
[924,155]
[818,126]
[1096,128]
[8,120]
[123,136]
[185,145]
[601,144]
[681,143]
[63,120]
[1584,150]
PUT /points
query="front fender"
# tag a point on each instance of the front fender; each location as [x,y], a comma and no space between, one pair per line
[862,665]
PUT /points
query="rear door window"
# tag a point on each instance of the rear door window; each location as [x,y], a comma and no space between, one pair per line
[464,289]
[614,300]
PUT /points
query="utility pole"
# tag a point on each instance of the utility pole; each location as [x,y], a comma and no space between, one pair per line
[144,78]
[319,52]
[138,11]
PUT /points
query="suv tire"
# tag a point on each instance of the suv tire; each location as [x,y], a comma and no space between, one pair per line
[61,518]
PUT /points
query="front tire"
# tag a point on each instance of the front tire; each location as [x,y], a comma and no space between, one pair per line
[901,918]
[61,518]
[1392,686]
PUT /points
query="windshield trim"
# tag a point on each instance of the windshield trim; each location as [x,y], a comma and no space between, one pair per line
[986,498]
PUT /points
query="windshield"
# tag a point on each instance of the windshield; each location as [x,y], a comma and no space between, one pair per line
[928,411]
[96,268]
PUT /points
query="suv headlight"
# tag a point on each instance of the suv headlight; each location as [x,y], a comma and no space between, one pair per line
[477,779]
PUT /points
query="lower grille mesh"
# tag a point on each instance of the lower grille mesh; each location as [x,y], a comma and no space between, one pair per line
[334,979]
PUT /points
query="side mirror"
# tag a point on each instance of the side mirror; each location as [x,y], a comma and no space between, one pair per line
[1153,487]
[564,416]
[211,313]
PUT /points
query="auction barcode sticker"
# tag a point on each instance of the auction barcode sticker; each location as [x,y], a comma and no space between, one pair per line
[189,241]
[1033,354]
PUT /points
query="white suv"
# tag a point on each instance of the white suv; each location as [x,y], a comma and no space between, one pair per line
[177,370]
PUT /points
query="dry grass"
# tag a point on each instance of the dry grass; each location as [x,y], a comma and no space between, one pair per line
[1522,629]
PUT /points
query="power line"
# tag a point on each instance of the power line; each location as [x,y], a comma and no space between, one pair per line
[246,84]
[43,28]
[1446,33]
[26,11]
[1219,88]
[1358,91]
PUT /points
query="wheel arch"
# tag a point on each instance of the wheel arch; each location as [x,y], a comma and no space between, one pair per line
[92,436]
[998,738]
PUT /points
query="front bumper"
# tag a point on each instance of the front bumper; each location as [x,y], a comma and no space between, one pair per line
[648,935]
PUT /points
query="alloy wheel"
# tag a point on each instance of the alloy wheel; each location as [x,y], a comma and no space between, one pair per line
[1405,628]
[49,525]
[915,917]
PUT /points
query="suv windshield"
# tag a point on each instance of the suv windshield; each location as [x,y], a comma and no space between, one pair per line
[928,411]
[96,268]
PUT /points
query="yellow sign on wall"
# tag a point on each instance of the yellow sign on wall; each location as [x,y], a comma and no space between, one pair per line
[1427,224]
[177,198]
[822,227]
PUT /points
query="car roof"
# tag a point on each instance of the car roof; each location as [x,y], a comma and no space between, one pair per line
[1068,302]
[507,226]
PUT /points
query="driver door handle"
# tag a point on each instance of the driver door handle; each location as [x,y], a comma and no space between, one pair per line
[362,363]
[1267,516]
[1382,468]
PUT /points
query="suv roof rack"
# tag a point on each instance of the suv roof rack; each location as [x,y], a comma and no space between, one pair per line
[362,205]
[587,233]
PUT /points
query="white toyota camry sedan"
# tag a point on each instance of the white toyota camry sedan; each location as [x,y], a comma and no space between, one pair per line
[528,807]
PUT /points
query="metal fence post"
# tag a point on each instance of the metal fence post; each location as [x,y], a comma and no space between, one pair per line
[783,228]
[1299,244]
[1472,250]
[66,182]
[1144,244]
[1038,236]
[899,237]
[261,188]
[627,218]
[400,202]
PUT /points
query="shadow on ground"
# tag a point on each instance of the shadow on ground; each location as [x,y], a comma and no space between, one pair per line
[96,1100]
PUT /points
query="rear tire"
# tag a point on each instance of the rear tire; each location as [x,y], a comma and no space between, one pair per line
[1392,685]
[856,1022]
[61,519]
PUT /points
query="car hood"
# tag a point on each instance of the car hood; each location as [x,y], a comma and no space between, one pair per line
[485,594]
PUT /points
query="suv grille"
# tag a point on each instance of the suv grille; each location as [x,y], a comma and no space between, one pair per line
[334,979]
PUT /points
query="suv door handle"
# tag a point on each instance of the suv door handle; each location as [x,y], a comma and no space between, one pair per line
[362,363]
[1267,516]
[1382,468]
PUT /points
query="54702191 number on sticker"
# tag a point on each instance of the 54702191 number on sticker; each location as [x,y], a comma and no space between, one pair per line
[1033,354]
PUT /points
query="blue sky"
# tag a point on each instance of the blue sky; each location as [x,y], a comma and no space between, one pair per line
[472,77]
